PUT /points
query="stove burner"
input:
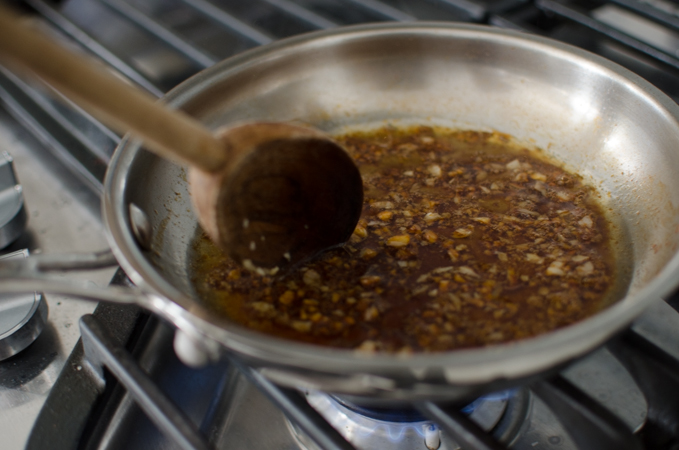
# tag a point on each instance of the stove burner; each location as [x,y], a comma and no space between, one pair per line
[12,211]
[22,317]
[400,415]
[503,414]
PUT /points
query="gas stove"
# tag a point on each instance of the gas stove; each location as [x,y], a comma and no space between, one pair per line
[112,380]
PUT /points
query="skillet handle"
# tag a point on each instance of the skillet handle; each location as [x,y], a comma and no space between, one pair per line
[70,261]
[35,273]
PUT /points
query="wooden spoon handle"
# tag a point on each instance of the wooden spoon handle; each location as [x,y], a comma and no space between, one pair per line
[169,133]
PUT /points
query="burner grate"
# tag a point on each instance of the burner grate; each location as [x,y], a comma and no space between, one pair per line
[159,44]
[620,26]
[587,423]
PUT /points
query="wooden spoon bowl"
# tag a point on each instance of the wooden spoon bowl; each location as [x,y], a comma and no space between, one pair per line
[286,193]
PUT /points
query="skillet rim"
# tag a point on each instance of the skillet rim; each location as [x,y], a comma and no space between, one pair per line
[512,359]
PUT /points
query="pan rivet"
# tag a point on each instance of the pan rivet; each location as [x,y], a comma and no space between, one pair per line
[141,226]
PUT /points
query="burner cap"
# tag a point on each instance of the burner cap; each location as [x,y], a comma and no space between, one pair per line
[12,211]
[22,317]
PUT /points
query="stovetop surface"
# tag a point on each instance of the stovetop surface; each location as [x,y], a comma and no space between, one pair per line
[63,217]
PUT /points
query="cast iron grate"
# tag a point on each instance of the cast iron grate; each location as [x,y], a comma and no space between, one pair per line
[157,44]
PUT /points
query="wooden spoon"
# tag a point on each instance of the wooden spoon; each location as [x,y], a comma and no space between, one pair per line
[270,194]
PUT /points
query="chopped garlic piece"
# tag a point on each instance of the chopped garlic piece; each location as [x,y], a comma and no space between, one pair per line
[533,258]
[301,326]
[462,233]
[398,241]
[430,236]
[287,297]
[370,314]
[385,216]
[361,231]
[586,222]
[311,278]
[484,220]
[431,217]
[585,269]
[556,269]
[564,196]
[467,271]
[434,170]
[368,253]
[513,165]
[527,212]
[262,307]
[369,280]
[382,205]
[247,263]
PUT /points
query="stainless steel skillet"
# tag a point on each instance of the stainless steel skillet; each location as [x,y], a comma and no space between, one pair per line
[615,129]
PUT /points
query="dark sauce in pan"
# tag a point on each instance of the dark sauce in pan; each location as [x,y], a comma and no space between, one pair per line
[465,240]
